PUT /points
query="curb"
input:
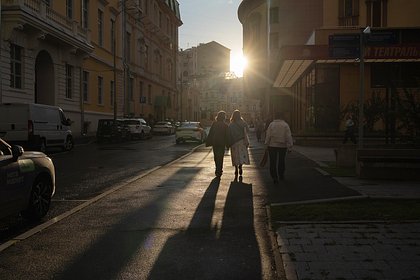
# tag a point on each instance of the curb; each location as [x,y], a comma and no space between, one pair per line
[278,261]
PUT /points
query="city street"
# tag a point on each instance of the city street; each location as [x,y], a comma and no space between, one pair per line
[91,169]
[177,222]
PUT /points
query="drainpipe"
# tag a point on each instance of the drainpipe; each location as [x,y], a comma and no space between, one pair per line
[1,45]
[82,106]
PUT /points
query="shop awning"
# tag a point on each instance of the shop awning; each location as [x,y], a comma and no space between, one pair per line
[296,60]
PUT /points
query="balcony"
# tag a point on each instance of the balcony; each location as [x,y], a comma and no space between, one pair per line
[34,16]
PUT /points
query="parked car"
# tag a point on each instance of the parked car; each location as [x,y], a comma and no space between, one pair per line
[138,128]
[112,130]
[35,126]
[27,182]
[163,127]
[190,131]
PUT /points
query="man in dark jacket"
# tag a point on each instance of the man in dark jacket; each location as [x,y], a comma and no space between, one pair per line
[218,139]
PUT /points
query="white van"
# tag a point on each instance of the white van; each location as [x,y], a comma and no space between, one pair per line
[35,126]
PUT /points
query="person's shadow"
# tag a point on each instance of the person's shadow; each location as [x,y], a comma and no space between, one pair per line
[205,252]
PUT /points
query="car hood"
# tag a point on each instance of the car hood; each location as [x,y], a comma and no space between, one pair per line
[32,154]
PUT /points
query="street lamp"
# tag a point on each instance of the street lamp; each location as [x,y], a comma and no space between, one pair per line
[363,33]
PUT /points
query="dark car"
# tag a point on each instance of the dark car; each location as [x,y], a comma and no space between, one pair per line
[112,130]
[27,182]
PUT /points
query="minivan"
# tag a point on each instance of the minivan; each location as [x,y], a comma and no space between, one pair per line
[35,126]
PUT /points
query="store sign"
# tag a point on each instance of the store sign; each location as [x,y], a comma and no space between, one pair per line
[395,52]
[344,46]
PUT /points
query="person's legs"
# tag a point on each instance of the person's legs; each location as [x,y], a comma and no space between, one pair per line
[272,152]
[218,153]
[281,162]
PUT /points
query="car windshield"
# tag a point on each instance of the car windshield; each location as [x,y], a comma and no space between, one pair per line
[128,122]
[190,124]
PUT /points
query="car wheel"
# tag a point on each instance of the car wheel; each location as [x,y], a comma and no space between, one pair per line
[178,141]
[69,145]
[40,199]
[142,135]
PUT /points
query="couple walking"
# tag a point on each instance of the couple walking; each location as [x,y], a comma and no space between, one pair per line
[234,136]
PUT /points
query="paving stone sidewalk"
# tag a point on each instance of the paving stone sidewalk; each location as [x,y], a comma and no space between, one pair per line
[350,250]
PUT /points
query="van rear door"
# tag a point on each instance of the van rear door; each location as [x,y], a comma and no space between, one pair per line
[14,122]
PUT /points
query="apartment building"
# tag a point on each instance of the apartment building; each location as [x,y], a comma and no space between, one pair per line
[94,58]
[320,79]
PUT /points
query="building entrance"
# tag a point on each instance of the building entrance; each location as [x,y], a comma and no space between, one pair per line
[44,79]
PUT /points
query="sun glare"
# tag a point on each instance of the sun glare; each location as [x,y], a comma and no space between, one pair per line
[237,64]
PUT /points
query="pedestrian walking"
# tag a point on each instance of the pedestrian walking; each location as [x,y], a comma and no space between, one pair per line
[349,133]
[217,138]
[279,141]
[259,128]
[238,142]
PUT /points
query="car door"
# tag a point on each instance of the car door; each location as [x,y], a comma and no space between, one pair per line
[12,183]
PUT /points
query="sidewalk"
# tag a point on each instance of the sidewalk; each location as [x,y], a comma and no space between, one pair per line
[371,188]
[352,250]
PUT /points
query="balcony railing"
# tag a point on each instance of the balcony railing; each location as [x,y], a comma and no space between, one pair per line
[40,10]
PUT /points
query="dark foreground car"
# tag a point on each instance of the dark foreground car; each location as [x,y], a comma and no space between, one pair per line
[27,182]
[190,131]
[112,130]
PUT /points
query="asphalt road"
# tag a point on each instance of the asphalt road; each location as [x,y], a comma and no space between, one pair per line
[89,170]
[178,222]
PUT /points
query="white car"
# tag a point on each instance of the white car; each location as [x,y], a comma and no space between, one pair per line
[27,182]
[190,131]
[138,128]
[163,128]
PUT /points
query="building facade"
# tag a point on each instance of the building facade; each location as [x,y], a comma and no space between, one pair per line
[320,80]
[94,58]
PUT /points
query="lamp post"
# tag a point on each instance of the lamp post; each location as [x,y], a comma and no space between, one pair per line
[362,83]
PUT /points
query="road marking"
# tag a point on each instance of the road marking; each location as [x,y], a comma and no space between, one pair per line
[51,222]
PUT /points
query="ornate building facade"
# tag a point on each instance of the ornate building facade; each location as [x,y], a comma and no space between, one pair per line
[94,58]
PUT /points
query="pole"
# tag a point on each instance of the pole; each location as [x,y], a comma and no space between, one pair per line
[115,76]
[124,47]
[362,89]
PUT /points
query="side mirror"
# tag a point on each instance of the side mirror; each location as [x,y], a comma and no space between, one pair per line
[17,151]
[68,122]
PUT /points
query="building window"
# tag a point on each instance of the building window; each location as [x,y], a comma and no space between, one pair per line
[85,86]
[348,12]
[130,89]
[100,28]
[141,98]
[128,46]
[377,13]
[274,15]
[85,14]
[274,41]
[15,66]
[69,8]
[111,93]
[100,89]
[69,81]
[113,36]
[149,94]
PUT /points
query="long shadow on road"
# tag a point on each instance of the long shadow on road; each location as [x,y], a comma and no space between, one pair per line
[207,252]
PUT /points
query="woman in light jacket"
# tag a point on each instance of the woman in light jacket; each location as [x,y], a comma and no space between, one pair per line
[238,140]
[279,141]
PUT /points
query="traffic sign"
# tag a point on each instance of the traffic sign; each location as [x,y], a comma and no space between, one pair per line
[346,40]
[381,38]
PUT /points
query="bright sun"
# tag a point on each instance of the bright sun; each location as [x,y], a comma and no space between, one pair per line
[237,64]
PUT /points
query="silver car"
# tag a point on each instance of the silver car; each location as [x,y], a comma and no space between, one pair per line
[27,182]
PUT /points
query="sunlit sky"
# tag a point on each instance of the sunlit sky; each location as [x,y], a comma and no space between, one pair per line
[212,20]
